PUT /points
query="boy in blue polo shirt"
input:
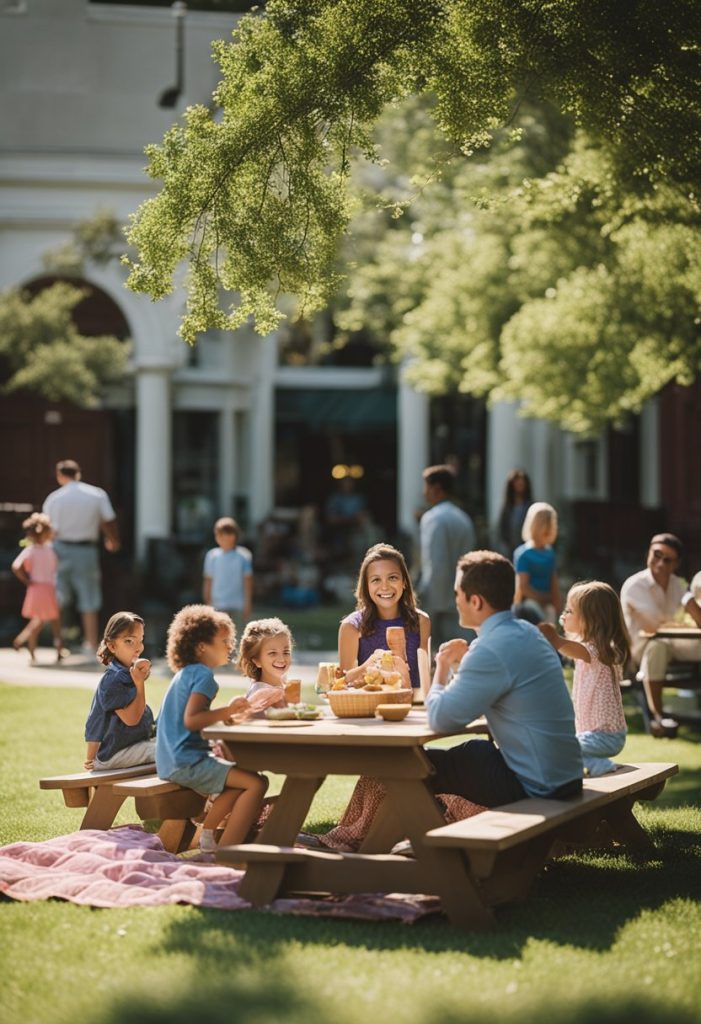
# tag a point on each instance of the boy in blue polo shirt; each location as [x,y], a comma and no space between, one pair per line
[228,573]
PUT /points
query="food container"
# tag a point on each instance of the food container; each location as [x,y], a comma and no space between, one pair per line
[393,712]
[362,703]
[326,676]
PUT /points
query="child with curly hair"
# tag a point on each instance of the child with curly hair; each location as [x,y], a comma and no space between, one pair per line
[201,639]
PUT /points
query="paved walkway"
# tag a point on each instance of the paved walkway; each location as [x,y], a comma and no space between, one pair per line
[80,672]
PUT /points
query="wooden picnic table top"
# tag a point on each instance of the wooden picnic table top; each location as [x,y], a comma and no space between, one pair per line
[413,731]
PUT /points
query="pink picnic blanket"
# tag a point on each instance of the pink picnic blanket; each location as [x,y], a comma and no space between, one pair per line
[127,867]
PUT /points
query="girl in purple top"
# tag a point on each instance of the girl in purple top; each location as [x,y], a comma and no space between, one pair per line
[385,597]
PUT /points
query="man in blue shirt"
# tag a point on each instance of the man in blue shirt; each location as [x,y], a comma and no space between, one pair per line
[513,676]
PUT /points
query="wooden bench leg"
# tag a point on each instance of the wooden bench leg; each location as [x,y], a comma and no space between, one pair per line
[625,828]
[102,809]
[176,834]
[262,883]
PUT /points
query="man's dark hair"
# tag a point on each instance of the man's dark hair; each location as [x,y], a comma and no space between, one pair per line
[68,467]
[490,575]
[670,540]
[443,476]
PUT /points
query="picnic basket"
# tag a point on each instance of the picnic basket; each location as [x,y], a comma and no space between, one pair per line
[362,703]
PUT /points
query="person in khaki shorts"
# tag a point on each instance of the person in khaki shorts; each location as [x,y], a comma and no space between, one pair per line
[650,598]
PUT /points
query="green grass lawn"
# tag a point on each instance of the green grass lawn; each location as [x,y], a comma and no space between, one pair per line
[601,939]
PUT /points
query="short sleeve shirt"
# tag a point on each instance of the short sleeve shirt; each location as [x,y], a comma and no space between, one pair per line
[227,570]
[538,563]
[114,691]
[596,695]
[39,562]
[76,511]
[646,606]
[176,746]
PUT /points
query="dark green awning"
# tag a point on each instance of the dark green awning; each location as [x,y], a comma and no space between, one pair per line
[351,411]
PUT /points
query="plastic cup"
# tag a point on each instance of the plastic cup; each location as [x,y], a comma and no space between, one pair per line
[293,691]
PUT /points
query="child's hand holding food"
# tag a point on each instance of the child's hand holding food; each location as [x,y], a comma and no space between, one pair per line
[140,670]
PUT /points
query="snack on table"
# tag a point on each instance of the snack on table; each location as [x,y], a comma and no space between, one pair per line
[280,714]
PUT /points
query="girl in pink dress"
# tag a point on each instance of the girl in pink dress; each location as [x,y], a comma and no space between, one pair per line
[597,639]
[35,566]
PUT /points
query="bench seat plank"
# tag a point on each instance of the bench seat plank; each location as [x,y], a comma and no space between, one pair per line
[503,827]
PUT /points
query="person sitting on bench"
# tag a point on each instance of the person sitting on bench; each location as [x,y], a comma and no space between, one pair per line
[512,676]
[649,598]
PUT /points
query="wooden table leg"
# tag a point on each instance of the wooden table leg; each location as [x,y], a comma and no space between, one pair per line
[289,810]
[102,809]
[446,871]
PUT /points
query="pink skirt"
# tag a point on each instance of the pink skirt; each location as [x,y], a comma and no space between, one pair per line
[40,602]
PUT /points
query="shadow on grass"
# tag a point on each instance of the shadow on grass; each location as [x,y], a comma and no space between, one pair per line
[270,1001]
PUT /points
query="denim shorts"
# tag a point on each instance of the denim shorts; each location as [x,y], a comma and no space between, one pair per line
[207,776]
[78,576]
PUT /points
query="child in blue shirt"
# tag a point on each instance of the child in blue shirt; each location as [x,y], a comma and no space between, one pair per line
[228,573]
[537,587]
[119,728]
[201,639]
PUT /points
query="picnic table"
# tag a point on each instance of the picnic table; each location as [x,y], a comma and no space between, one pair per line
[392,752]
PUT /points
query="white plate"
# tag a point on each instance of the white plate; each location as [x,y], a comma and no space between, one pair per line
[286,723]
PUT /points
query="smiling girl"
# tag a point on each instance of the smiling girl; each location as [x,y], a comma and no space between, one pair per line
[265,655]
[385,598]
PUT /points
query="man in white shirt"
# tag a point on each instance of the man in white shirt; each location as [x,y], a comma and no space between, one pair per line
[79,514]
[650,598]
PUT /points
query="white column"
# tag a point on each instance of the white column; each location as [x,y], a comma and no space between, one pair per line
[153,455]
[262,432]
[650,454]
[412,451]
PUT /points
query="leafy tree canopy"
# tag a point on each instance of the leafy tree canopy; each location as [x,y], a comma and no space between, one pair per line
[257,191]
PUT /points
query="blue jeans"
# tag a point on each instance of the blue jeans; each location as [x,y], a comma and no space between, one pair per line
[597,747]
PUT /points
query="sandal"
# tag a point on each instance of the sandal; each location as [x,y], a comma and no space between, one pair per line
[310,841]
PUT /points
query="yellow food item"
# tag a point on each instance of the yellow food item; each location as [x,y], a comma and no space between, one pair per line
[393,680]
[340,684]
[372,687]
[386,659]
[372,676]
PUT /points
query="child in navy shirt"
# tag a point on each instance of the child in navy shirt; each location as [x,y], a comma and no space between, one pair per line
[120,728]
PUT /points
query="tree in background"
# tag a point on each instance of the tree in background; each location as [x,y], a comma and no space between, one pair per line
[41,349]
[257,193]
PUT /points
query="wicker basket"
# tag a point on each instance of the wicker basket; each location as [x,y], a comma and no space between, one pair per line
[362,703]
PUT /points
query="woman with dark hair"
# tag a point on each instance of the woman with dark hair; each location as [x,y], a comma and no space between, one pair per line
[517,498]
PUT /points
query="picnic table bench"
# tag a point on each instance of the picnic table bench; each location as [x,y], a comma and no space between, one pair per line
[507,846]
[95,792]
[103,793]
[502,850]
[171,804]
